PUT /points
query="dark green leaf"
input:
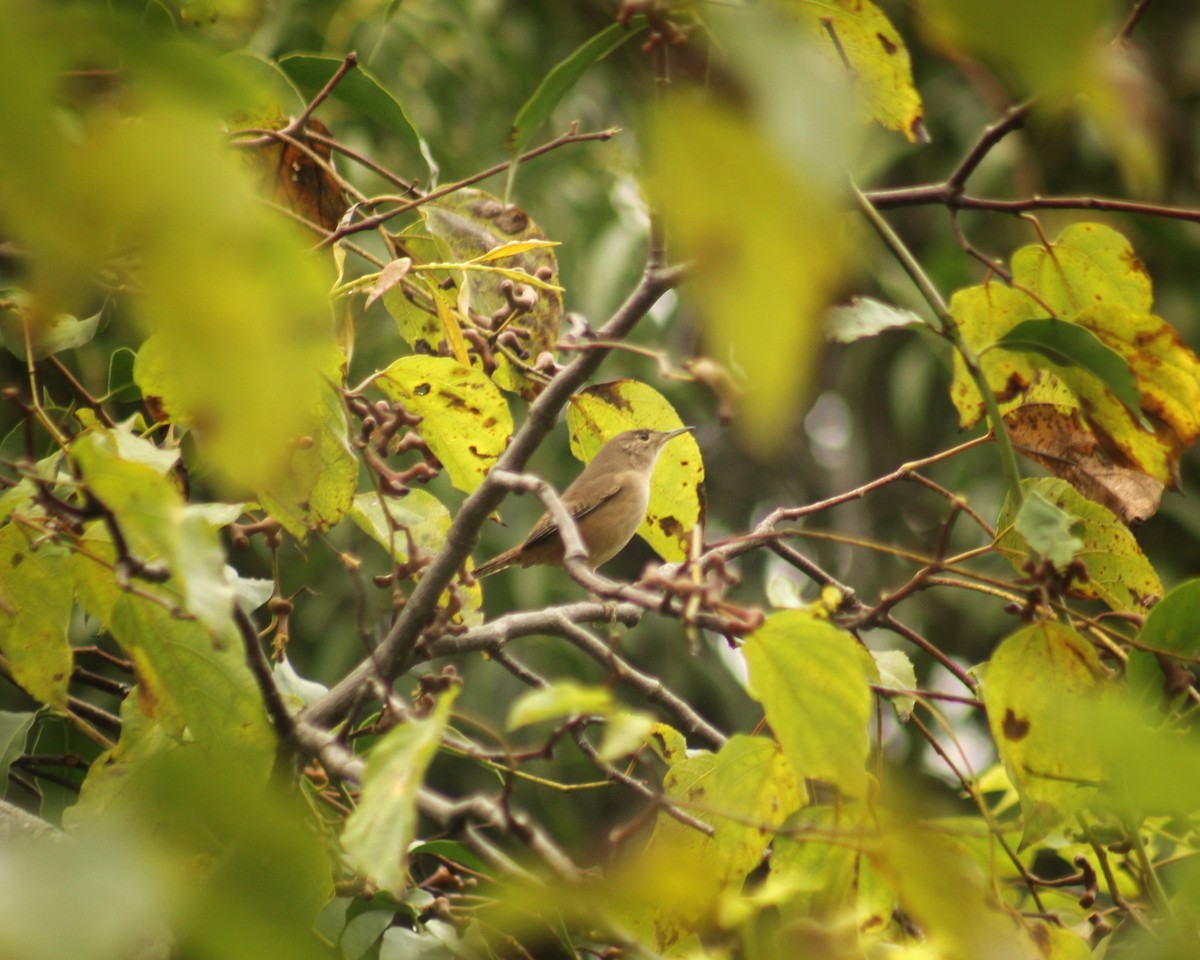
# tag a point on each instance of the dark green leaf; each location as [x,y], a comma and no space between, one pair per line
[120,376]
[363,92]
[564,76]
[1071,345]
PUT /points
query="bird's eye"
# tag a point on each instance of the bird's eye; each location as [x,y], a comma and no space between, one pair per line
[643,435]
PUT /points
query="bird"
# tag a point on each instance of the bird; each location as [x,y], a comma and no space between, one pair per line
[607,500]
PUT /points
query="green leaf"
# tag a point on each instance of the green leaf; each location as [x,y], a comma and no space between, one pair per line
[1046,528]
[426,519]
[1037,681]
[125,473]
[464,417]
[1118,572]
[1070,345]
[625,732]
[35,612]
[362,91]
[378,833]
[316,491]
[864,317]
[121,386]
[896,673]
[565,74]
[744,791]
[47,336]
[1173,626]
[565,698]
[364,931]
[809,677]
[14,731]
[598,413]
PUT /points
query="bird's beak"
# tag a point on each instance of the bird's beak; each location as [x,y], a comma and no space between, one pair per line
[674,433]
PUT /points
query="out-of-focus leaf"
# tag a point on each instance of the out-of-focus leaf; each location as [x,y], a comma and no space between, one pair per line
[767,258]
[35,612]
[1046,528]
[855,35]
[564,698]
[158,527]
[377,834]
[864,317]
[364,931]
[362,91]
[598,413]
[565,74]
[14,730]
[322,475]
[47,335]
[896,673]
[624,733]
[743,792]
[1118,572]
[1044,50]
[1036,680]
[809,677]
[121,387]
[465,419]
[296,691]
[472,223]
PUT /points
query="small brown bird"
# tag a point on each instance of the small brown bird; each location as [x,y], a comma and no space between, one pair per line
[607,500]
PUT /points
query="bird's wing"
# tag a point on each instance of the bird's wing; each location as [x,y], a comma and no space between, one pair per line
[546,528]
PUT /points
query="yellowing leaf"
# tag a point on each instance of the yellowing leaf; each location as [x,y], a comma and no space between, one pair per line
[464,418]
[316,490]
[768,254]
[472,223]
[809,677]
[1065,417]
[1118,572]
[159,528]
[1088,264]
[858,37]
[599,413]
[377,834]
[558,700]
[35,612]
[1037,681]
[743,792]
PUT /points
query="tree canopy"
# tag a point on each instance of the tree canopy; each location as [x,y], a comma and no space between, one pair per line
[298,298]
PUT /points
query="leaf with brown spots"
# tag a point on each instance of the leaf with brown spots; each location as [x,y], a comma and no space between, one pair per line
[464,417]
[1036,685]
[857,36]
[1062,415]
[1119,574]
[600,412]
[471,224]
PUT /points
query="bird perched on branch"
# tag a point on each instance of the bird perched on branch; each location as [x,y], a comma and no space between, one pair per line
[607,501]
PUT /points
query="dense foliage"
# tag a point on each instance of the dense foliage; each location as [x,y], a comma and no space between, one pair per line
[296,295]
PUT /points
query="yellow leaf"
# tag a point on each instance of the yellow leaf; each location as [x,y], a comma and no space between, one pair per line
[768,255]
[1037,681]
[599,413]
[859,38]
[464,417]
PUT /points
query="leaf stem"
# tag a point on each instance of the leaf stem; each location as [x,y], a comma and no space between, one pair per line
[947,326]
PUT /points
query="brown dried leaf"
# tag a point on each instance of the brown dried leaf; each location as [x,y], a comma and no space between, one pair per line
[1057,439]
